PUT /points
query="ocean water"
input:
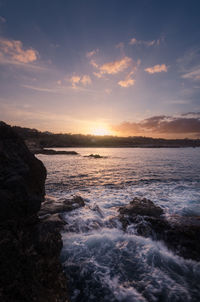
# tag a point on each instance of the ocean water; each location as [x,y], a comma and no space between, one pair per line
[103,262]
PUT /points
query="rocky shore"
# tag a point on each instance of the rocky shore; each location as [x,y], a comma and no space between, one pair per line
[29,247]
[179,233]
[30,224]
[53,152]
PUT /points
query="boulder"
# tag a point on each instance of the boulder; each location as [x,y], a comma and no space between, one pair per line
[55,206]
[144,207]
[179,233]
[95,156]
[22,177]
[54,152]
[29,248]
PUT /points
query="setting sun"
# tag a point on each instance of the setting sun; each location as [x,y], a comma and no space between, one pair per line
[101,130]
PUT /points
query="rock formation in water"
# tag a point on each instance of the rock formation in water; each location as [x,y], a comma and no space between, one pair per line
[179,233]
[95,156]
[52,210]
[29,248]
[54,152]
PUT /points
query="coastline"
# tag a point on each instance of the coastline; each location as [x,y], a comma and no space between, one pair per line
[29,247]
[30,239]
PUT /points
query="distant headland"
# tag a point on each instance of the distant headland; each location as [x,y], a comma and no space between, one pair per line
[37,140]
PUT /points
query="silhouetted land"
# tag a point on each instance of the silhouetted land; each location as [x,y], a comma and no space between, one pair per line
[37,139]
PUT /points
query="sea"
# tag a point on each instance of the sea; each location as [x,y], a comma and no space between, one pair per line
[103,262]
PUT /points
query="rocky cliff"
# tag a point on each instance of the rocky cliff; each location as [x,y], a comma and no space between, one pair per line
[29,249]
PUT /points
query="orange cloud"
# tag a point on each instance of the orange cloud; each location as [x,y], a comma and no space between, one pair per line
[112,67]
[115,66]
[86,80]
[90,54]
[75,80]
[97,74]
[188,123]
[93,63]
[134,41]
[127,82]
[13,49]
[157,68]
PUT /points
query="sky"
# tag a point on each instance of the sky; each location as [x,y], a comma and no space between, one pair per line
[120,67]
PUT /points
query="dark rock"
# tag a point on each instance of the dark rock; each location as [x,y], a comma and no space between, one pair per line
[54,152]
[144,207]
[95,156]
[54,221]
[179,233]
[29,248]
[53,206]
[22,177]
[96,209]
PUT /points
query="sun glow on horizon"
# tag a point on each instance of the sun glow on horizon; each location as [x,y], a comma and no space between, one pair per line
[101,130]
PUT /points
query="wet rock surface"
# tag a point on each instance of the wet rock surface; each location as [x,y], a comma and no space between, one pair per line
[54,152]
[144,207]
[52,206]
[22,177]
[52,210]
[179,233]
[95,156]
[29,248]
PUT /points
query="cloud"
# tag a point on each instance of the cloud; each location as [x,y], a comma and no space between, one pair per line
[127,128]
[91,53]
[185,124]
[192,75]
[93,63]
[189,61]
[61,89]
[134,41]
[113,67]
[12,51]
[84,80]
[192,114]
[75,80]
[188,65]
[120,45]
[157,68]
[28,116]
[129,81]
[41,89]
[97,74]
[2,19]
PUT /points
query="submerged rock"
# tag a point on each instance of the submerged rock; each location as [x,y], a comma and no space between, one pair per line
[29,248]
[179,233]
[95,156]
[54,152]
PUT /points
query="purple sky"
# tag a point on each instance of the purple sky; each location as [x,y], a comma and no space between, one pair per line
[104,67]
